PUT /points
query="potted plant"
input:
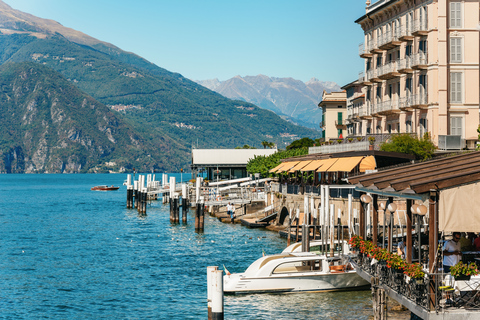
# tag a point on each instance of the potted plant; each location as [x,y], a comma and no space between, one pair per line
[463,271]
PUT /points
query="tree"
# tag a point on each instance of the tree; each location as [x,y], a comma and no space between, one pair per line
[264,144]
[302,143]
[262,164]
[422,149]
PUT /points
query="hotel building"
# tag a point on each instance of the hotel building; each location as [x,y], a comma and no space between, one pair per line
[334,113]
[421,70]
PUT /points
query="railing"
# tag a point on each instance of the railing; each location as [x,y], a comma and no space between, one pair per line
[420,25]
[450,142]
[372,73]
[420,58]
[405,31]
[387,68]
[437,292]
[388,105]
[405,63]
[361,77]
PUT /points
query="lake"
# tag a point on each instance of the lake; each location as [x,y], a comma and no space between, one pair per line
[67,252]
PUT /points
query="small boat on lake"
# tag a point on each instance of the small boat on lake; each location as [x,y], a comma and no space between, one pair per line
[295,272]
[104,188]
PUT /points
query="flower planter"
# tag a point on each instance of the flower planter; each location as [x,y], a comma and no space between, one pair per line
[462,277]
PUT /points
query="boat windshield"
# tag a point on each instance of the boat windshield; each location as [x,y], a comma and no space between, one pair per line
[298,266]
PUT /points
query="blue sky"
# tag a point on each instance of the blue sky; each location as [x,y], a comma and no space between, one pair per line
[206,39]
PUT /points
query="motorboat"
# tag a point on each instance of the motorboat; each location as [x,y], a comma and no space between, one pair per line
[104,188]
[295,272]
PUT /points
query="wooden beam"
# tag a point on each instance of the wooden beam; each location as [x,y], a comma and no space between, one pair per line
[446,182]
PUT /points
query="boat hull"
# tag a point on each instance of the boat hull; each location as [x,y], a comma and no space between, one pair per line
[284,283]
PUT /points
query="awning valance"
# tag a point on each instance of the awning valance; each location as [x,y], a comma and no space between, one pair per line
[345,164]
[299,166]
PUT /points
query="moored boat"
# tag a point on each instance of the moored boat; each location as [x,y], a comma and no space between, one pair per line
[104,188]
[295,272]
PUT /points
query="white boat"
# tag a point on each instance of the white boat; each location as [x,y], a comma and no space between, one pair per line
[295,272]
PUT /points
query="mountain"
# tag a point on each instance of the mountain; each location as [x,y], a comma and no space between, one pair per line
[169,113]
[54,127]
[291,99]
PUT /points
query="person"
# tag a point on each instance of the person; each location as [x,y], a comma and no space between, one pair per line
[476,243]
[401,247]
[465,243]
[451,252]
[232,213]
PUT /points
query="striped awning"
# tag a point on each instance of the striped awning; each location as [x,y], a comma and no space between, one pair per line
[287,166]
[314,165]
[368,163]
[276,168]
[327,164]
[299,166]
[345,164]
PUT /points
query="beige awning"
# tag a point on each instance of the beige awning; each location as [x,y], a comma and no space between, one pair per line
[327,163]
[314,165]
[288,165]
[276,168]
[459,209]
[345,164]
[368,163]
[299,166]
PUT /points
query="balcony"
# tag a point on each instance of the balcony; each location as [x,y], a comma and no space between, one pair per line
[388,71]
[364,51]
[420,27]
[388,107]
[405,65]
[450,142]
[374,46]
[390,40]
[420,60]
[366,111]
[340,124]
[372,75]
[415,101]
[405,33]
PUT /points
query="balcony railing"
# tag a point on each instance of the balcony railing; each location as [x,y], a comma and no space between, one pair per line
[420,26]
[388,70]
[405,32]
[405,65]
[450,142]
[420,60]
[388,105]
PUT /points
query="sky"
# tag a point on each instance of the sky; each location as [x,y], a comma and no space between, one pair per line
[207,39]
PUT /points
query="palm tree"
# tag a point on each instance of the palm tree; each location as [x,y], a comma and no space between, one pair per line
[265,144]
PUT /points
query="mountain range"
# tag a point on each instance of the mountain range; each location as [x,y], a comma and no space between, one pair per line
[78,104]
[291,99]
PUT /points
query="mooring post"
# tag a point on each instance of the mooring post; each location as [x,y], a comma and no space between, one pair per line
[129,192]
[197,217]
[211,273]
[202,215]
[217,295]
[184,202]
[172,218]
[138,194]
[135,192]
[176,210]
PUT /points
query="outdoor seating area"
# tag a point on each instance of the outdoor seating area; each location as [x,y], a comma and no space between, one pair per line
[436,271]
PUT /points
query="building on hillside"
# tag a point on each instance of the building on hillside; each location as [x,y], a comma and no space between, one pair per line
[421,69]
[224,164]
[334,113]
[355,101]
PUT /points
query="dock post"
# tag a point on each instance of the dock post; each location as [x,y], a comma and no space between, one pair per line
[197,217]
[138,194]
[129,192]
[184,202]
[172,218]
[176,210]
[202,215]
[135,192]
[211,272]
[217,295]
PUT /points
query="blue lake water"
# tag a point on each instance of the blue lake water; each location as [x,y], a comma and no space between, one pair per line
[67,252]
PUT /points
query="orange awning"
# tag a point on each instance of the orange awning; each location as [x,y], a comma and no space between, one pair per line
[299,166]
[368,163]
[288,165]
[276,168]
[314,165]
[345,164]
[327,164]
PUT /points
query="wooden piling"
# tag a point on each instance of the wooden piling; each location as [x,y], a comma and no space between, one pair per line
[184,209]
[216,294]
[211,272]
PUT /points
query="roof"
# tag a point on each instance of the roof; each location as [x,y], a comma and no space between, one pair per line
[375,7]
[227,156]
[422,177]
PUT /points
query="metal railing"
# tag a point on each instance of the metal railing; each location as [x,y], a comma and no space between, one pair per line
[420,25]
[450,142]
[420,58]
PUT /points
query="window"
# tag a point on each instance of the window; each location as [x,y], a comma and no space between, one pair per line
[456,15]
[408,50]
[456,45]
[408,126]
[456,87]
[423,126]
[422,46]
[456,127]
[340,131]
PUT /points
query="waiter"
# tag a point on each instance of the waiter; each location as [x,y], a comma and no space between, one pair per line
[451,252]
